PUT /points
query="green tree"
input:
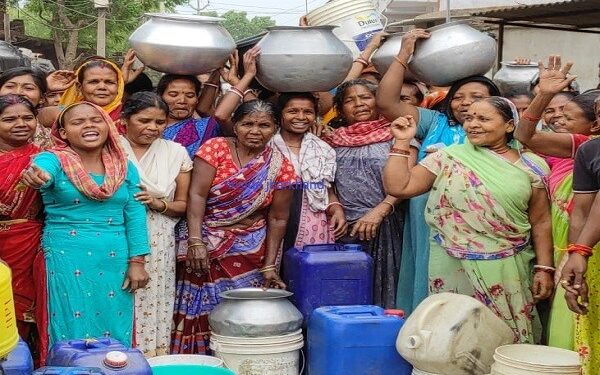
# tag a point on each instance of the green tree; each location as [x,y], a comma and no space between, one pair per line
[71,24]
[240,27]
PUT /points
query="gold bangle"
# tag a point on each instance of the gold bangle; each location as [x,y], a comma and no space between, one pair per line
[195,238]
[405,65]
[391,205]
[268,268]
[166,206]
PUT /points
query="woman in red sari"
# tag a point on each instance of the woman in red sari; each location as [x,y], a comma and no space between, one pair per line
[20,208]
[238,209]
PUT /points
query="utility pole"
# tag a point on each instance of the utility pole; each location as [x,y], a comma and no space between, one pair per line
[101,6]
[5,19]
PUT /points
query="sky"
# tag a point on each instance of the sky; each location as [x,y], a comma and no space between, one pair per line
[284,12]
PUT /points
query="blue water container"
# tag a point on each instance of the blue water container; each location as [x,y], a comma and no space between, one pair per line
[328,275]
[18,362]
[357,340]
[68,371]
[109,355]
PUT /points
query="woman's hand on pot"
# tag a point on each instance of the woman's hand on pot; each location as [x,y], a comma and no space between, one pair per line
[34,177]
[303,22]
[230,73]
[136,278]
[377,40]
[337,221]
[197,258]
[554,79]
[543,286]
[272,280]
[404,129]
[129,73]
[409,40]
[250,58]
[366,227]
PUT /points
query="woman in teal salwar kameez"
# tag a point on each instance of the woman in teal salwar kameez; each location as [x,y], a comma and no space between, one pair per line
[95,234]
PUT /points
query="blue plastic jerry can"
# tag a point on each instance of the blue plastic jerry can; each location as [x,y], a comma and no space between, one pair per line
[68,371]
[18,361]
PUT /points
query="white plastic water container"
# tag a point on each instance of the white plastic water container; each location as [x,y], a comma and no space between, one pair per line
[358,21]
[185,359]
[523,359]
[273,355]
[449,333]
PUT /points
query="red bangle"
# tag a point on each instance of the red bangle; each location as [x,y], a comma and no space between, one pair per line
[528,117]
[138,261]
[582,250]
[362,61]
[395,150]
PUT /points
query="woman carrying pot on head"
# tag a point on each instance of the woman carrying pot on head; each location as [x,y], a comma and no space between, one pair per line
[95,234]
[362,142]
[21,216]
[316,215]
[576,126]
[165,170]
[483,230]
[436,129]
[237,216]
[31,84]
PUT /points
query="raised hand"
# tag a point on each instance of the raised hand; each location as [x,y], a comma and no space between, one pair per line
[129,73]
[34,177]
[409,40]
[404,128]
[554,79]
[250,60]
[230,74]
[60,80]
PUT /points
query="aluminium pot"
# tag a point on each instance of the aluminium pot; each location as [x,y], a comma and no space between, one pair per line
[255,312]
[182,44]
[297,59]
[454,51]
[383,58]
[515,78]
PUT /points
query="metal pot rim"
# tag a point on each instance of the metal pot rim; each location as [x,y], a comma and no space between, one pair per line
[184,17]
[512,63]
[249,294]
[393,35]
[448,24]
[320,27]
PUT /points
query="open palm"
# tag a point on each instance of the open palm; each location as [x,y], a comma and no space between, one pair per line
[554,79]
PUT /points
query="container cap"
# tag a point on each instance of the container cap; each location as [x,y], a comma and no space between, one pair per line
[352,247]
[115,359]
[392,312]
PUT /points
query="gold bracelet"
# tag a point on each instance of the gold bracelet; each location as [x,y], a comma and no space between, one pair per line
[391,205]
[166,206]
[405,65]
[268,268]
[195,238]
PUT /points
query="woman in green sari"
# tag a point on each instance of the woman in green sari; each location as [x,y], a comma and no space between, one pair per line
[488,208]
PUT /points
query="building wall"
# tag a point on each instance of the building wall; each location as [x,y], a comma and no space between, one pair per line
[582,49]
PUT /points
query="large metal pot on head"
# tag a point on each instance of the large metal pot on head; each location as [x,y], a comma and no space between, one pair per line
[516,78]
[182,44]
[302,59]
[384,56]
[255,312]
[454,51]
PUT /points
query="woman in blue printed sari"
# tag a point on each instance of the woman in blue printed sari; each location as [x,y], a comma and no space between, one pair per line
[436,129]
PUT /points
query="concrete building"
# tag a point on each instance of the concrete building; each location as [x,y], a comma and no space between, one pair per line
[581,43]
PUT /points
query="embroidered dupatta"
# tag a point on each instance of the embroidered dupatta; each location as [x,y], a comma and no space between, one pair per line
[360,134]
[473,211]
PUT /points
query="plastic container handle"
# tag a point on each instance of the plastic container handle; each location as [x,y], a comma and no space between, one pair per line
[415,341]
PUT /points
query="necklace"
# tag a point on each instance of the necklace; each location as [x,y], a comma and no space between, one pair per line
[502,152]
[236,152]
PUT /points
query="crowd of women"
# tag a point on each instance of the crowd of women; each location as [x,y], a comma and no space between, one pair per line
[126,210]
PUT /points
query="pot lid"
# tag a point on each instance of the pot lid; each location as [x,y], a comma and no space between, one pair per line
[320,27]
[254,294]
[184,17]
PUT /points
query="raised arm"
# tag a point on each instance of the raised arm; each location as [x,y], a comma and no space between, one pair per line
[552,81]
[390,87]
[400,178]
[206,101]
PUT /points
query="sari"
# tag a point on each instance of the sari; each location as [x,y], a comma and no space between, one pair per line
[73,94]
[480,231]
[235,252]
[20,235]
[159,168]
[191,133]
[315,166]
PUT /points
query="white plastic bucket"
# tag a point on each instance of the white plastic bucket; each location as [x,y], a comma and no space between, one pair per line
[358,21]
[523,359]
[274,355]
[185,359]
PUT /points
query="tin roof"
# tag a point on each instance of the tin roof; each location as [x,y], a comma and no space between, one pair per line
[581,14]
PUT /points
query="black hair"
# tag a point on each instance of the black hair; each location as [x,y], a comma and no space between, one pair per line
[39,78]
[419,94]
[166,80]
[94,63]
[140,101]
[567,94]
[505,110]
[285,97]
[12,99]
[513,93]
[444,105]
[254,106]
[338,99]
[140,83]
[587,102]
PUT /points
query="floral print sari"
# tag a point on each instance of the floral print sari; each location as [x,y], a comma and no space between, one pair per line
[480,231]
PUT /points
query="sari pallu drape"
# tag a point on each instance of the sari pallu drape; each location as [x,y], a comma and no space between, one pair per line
[480,231]
[236,253]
